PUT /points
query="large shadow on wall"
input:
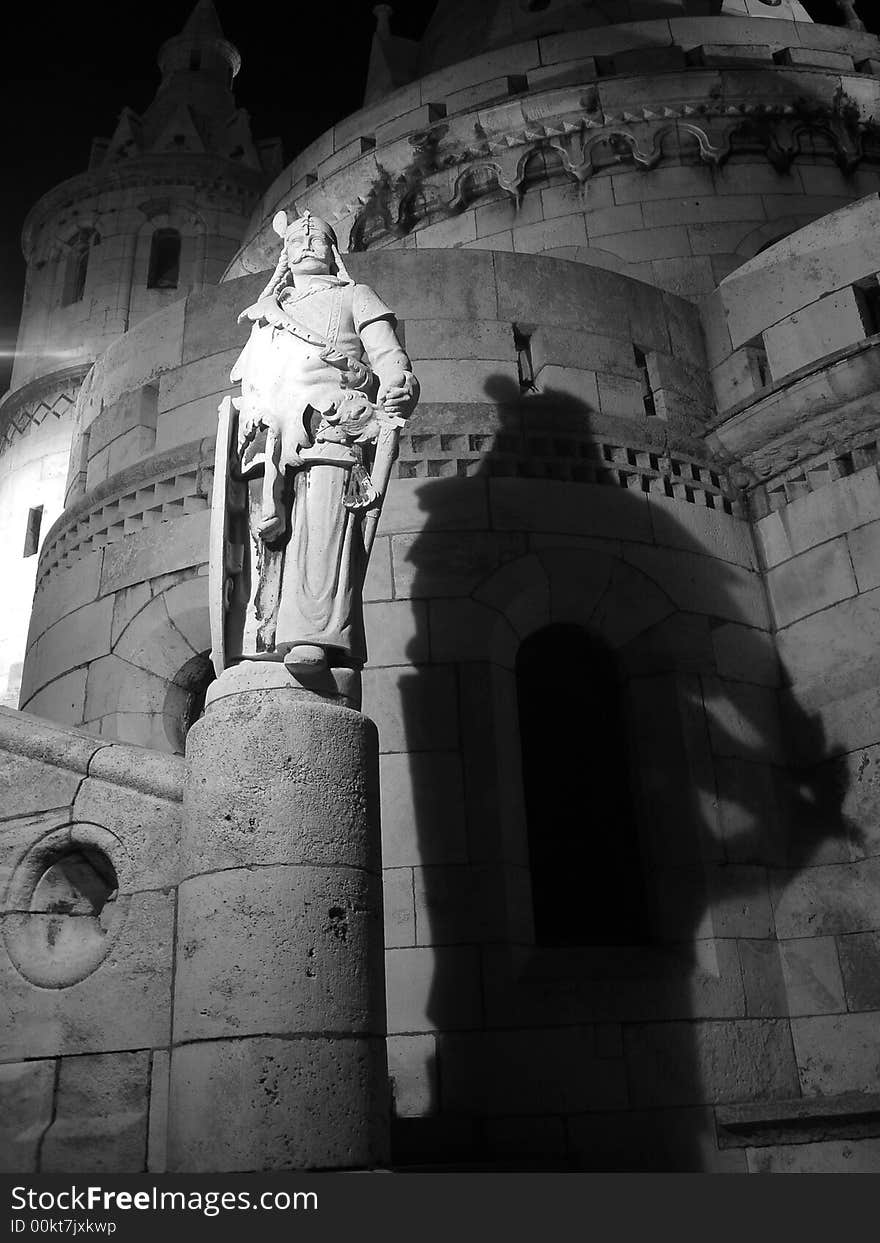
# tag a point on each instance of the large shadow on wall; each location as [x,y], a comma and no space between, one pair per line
[518,1043]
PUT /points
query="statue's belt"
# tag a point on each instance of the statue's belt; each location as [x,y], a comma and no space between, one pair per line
[269,312]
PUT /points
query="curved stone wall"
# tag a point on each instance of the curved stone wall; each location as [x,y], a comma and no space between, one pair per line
[567,398]
[554,472]
[206,200]
[672,151]
[36,422]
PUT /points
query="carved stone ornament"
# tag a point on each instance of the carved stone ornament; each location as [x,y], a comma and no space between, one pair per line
[586,142]
[303,460]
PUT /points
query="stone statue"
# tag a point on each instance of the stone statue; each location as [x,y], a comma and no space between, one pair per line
[303,459]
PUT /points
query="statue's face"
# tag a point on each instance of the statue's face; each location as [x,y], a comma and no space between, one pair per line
[309,253]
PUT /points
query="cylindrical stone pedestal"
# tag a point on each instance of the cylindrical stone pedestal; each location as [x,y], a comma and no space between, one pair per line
[278,1058]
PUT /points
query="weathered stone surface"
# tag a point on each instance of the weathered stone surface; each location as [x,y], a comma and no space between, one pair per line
[148,828]
[26,1096]
[837,1053]
[282,779]
[860,965]
[66,590]
[100,1123]
[152,642]
[567,509]
[461,905]
[465,630]
[187,607]
[81,636]
[412,1070]
[29,786]
[116,686]
[397,632]
[745,653]
[850,1156]
[689,1064]
[137,358]
[813,332]
[433,989]
[824,901]
[62,700]
[411,503]
[697,529]
[49,1021]
[398,909]
[812,975]
[834,648]
[763,979]
[453,564]
[743,720]
[414,709]
[631,604]
[845,505]
[811,582]
[422,809]
[864,547]
[157,1137]
[269,1104]
[698,584]
[156,550]
[278,950]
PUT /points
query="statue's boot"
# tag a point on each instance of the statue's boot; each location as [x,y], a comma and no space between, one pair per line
[305,658]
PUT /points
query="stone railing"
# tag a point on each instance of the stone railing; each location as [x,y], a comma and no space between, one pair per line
[159,489]
[566,458]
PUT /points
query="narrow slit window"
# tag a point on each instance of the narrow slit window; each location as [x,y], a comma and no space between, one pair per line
[522,342]
[32,532]
[641,359]
[77,267]
[164,270]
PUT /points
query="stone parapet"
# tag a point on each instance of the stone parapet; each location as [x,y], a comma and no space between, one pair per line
[482,163]
[88,864]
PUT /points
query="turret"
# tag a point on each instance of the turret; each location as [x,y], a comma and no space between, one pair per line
[159,212]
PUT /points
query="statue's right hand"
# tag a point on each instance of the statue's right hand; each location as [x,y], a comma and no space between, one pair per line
[271,526]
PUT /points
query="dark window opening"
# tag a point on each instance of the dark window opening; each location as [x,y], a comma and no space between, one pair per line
[164,270]
[522,343]
[868,302]
[195,60]
[32,532]
[77,267]
[648,402]
[587,883]
[756,353]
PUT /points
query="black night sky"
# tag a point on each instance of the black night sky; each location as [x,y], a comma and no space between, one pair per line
[70,69]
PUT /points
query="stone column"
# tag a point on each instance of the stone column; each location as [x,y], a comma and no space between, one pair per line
[278,1049]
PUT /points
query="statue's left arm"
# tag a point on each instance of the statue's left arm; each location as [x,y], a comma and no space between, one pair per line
[375,323]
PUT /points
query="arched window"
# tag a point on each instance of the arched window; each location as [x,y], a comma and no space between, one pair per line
[77,266]
[587,882]
[164,270]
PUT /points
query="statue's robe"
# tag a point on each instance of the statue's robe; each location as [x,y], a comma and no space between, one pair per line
[309,584]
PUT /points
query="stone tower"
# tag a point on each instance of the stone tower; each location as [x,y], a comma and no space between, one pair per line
[159,212]
[621,618]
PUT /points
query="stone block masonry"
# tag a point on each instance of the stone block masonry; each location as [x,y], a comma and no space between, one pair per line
[278,1057]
